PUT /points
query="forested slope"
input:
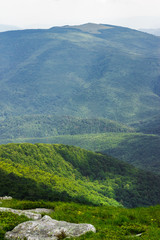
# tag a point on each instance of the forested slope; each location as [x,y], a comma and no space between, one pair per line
[59,172]
[138,149]
[88,71]
[35,126]
[150,125]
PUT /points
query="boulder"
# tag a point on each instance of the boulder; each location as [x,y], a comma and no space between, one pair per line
[34,214]
[27,213]
[40,210]
[48,229]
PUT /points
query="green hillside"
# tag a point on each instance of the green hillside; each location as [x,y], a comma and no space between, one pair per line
[150,125]
[88,71]
[138,149]
[34,126]
[67,173]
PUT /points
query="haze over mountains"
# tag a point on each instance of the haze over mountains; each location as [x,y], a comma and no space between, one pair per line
[94,86]
[64,84]
[154,31]
[89,71]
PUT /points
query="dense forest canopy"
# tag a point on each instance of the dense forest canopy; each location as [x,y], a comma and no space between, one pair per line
[68,173]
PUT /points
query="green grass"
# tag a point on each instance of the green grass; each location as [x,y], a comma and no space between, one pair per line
[8,221]
[111,223]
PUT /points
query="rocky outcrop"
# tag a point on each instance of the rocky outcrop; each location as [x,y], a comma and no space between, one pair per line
[34,214]
[48,229]
[6,198]
[44,228]
[40,210]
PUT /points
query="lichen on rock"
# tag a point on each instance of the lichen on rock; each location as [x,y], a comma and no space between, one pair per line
[34,214]
[48,229]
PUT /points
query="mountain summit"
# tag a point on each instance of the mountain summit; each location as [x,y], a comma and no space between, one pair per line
[86,71]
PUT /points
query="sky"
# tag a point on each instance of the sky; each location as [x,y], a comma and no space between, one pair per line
[47,13]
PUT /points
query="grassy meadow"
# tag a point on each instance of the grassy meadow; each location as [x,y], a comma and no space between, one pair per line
[111,223]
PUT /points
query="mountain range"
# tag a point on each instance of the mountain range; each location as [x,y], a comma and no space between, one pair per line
[87,71]
[95,86]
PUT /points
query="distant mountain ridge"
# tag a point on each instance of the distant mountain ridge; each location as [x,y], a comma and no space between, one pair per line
[150,125]
[88,71]
[36,126]
[91,85]
[154,31]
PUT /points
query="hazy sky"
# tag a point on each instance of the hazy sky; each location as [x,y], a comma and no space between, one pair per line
[47,13]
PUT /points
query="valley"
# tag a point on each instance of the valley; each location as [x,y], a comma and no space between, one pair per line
[80,128]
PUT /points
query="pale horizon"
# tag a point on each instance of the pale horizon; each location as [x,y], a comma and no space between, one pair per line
[49,13]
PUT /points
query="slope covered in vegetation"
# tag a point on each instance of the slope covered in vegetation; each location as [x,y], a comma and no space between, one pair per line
[138,149]
[59,172]
[111,72]
[150,125]
[35,126]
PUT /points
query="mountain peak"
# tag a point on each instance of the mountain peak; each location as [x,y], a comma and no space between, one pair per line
[91,27]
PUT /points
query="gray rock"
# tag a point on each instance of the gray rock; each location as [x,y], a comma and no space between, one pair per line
[34,214]
[6,198]
[29,214]
[40,210]
[48,229]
